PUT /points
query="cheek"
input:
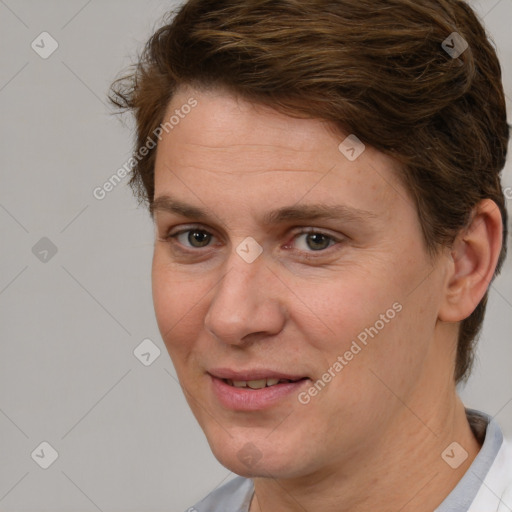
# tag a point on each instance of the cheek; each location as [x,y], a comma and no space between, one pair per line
[177,304]
[384,347]
[370,318]
[341,308]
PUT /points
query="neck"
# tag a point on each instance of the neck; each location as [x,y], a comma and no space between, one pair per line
[403,470]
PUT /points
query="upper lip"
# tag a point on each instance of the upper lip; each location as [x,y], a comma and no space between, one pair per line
[253,374]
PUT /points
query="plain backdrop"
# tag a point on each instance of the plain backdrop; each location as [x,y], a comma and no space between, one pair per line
[75,294]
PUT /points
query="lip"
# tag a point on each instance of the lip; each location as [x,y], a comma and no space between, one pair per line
[254,374]
[245,399]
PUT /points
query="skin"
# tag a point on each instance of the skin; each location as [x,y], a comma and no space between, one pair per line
[384,420]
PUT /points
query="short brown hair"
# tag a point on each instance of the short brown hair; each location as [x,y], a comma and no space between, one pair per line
[374,68]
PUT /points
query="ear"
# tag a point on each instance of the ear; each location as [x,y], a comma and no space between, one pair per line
[473,260]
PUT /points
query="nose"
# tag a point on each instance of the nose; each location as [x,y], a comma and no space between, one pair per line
[246,305]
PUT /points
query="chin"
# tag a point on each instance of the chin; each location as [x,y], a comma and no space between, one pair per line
[254,457]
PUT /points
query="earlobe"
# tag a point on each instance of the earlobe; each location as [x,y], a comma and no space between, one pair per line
[474,256]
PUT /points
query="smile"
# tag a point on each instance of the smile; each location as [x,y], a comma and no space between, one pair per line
[234,392]
[257,384]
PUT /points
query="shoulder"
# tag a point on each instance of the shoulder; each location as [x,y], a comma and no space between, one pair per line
[495,492]
[486,485]
[234,496]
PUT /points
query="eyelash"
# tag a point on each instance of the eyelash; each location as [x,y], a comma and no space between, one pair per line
[333,240]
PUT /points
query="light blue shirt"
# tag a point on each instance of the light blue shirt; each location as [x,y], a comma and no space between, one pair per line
[236,495]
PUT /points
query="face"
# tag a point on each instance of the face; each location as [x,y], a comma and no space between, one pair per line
[291,286]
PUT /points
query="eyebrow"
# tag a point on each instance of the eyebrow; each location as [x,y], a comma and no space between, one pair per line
[288,213]
[170,205]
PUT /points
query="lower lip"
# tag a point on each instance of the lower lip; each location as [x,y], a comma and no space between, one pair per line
[246,399]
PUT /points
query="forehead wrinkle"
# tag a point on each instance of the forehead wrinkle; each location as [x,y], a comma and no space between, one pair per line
[167,166]
[255,146]
[251,172]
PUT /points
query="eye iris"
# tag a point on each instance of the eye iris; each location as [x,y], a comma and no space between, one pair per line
[198,238]
[317,241]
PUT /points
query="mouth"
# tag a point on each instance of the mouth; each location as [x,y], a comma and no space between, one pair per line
[259,383]
[254,390]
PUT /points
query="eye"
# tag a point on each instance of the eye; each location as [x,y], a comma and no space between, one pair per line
[196,238]
[314,241]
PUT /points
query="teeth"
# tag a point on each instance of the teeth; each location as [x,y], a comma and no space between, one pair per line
[255,384]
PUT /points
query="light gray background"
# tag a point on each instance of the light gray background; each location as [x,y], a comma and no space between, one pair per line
[123,432]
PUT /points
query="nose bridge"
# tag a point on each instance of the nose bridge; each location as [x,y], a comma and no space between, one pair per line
[242,302]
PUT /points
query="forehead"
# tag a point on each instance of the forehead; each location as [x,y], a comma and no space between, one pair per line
[234,126]
[235,144]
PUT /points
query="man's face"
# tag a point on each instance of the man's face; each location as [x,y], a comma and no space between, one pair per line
[333,290]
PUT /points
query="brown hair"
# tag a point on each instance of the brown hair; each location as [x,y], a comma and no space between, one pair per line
[375,68]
